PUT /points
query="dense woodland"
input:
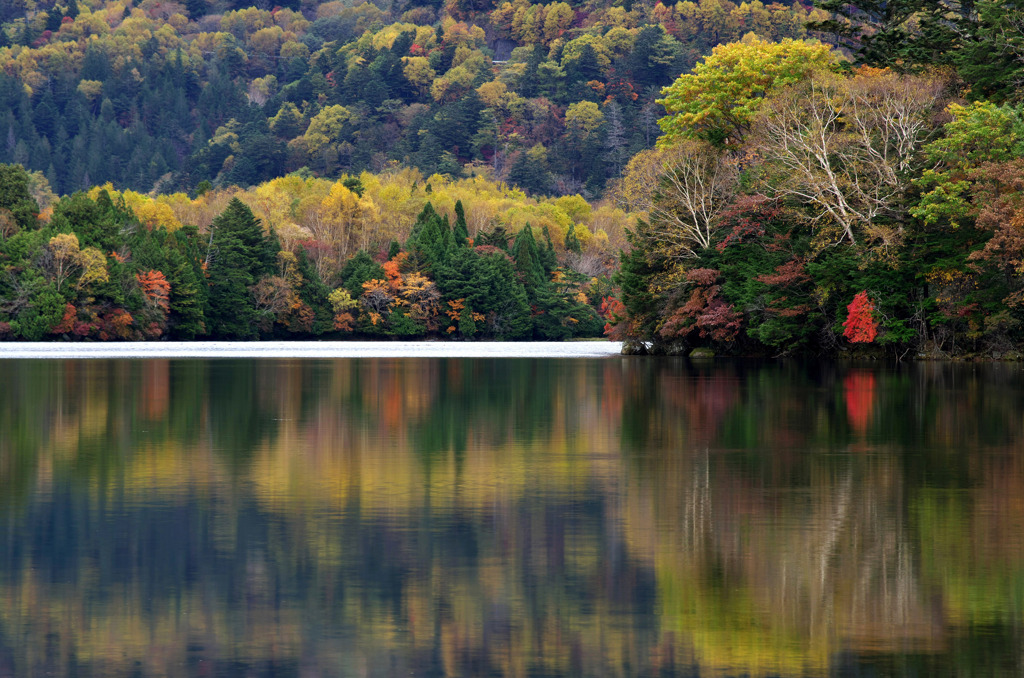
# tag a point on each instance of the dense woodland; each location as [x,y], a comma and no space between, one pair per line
[372,256]
[554,98]
[779,178]
[804,199]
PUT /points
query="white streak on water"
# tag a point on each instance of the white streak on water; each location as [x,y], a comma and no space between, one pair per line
[308,349]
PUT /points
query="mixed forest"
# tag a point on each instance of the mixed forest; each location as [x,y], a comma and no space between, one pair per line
[748,178]
[866,197]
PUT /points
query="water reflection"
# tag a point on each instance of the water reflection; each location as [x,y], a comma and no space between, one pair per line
[516,517]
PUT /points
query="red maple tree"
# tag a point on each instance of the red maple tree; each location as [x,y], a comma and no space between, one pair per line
[860,325]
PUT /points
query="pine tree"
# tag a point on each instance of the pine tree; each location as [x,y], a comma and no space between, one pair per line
[15,196]
[572,243]
[527,260]
[240,254]
[186,318]
[460,233]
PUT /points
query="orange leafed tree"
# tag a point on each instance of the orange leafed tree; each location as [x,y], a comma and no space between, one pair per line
[156,288]
[116,325]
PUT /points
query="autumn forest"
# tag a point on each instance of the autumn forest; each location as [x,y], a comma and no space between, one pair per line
[746,178]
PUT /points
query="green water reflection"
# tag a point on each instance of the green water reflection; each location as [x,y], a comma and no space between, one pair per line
[438,517]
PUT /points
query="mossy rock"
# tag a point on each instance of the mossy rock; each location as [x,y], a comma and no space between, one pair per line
[634,347]
[702,353]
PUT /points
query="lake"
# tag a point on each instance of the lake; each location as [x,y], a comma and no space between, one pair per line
[431,516]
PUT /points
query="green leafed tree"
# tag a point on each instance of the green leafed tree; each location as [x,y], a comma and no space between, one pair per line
[18,209]
[720,99]
[240,254]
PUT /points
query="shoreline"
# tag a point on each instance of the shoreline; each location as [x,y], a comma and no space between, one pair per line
[306,349]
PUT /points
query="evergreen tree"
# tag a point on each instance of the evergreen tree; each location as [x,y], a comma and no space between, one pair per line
[359,269]
[186,320]
[572,243]
[653,59]
[530,172]
[489,286]
[636,268]
[15,196]
[527,260]
[990,59]
[430,240]
[460,233]
[467,325]
[240,254]
[548,258]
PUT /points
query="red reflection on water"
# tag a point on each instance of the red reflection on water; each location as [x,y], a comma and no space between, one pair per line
[859,387]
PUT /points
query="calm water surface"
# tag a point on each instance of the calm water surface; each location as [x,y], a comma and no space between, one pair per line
[484,517]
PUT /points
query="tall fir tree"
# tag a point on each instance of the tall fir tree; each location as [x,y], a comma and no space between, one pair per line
[460,232]
[240,254]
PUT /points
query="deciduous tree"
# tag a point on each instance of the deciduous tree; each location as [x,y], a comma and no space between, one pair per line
[719,100]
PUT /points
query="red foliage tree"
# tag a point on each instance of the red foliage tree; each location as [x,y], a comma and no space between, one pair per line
[344,322]
[860,325]
[707,313]
[614,312]
[67,323]
[116,325]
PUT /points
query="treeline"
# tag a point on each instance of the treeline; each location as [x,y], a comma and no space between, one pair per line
[90,267]
[798,203]
[157,94]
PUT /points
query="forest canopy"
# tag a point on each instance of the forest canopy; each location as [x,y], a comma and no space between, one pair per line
[163,95]
[379,256]
[779,179]
[864,199]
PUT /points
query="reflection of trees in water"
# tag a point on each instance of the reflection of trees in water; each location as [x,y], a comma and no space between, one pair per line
[472,517]
[783,526]
[777,579]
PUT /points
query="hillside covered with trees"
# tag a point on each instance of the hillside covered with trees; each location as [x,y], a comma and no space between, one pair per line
[810,200]
[159,94]
[818,179]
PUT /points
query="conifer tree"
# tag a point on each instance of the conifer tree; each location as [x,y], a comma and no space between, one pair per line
[572,243]
[186,301]
[527,259]
[460,233]
[359,269]
[548,258]
[15,196]
[240,254]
